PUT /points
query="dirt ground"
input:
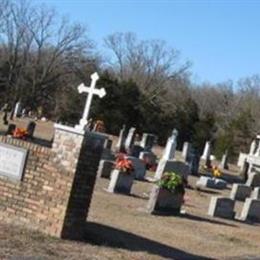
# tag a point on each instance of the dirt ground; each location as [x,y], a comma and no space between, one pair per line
[119,228]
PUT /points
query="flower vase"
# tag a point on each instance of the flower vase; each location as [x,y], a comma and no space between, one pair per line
[165,201]
[169,201]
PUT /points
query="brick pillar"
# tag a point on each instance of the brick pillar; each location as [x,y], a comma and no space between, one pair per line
[77,155]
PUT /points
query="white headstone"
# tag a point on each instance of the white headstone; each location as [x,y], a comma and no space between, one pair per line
[186,150]
[207,151]
[224,164]
[130,138]
[170,148]
[17,109]
[252,147]
[91,91]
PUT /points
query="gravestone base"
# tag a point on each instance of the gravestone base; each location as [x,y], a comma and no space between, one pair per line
[120,182]
[208,182]
[164,201]
[251,210]
[105,168]
[221,207]
[240,192]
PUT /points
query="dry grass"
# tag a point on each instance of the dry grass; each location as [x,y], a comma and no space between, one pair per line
[119,228]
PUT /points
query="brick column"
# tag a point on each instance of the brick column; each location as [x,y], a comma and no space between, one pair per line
[77,155]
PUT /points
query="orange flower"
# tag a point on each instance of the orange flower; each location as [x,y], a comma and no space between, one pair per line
[123,164]
[20,133]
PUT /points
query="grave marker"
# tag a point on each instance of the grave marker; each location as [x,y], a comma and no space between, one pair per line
[240,192]
[91,92]
[251,210]
[221,207]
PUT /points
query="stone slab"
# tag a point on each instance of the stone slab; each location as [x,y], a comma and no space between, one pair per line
[208,182]
[221,207]
[253,179]
[240,192]
[251,210]
[120,182]
[161,200]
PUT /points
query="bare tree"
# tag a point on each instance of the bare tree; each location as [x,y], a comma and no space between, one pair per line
[39,49]
[151,64]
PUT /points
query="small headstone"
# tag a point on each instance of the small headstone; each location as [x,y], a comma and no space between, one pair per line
[253,147]
[120,146]
[240,192]
[10,129]
[120,182]
[139,167]
[105,168]
[208,182]
[207,151]
[30,129]
[147,141]
[224,162]
[171,145]
[186,151]
[17,109]
[241,160]
[221,207]
[129,142]
[253,179]
[251,210]
[178,167]
[161,200]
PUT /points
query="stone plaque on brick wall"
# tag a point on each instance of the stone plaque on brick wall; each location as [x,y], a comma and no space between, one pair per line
[12,161]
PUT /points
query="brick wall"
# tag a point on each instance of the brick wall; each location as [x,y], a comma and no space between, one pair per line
[55,191]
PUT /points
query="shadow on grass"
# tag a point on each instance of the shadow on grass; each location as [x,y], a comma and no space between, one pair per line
[208,191]
[99,234]
[212,221]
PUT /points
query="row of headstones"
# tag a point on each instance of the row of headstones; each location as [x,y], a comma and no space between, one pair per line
[159,199]
[122,182]
[249,193]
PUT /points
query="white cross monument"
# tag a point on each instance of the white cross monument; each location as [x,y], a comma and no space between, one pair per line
[91,91]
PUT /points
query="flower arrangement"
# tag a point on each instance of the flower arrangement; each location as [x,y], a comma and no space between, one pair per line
[172,182]
[20,133]
[216,172]
[123,164]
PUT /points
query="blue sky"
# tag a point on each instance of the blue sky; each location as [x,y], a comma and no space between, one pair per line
[220,38]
